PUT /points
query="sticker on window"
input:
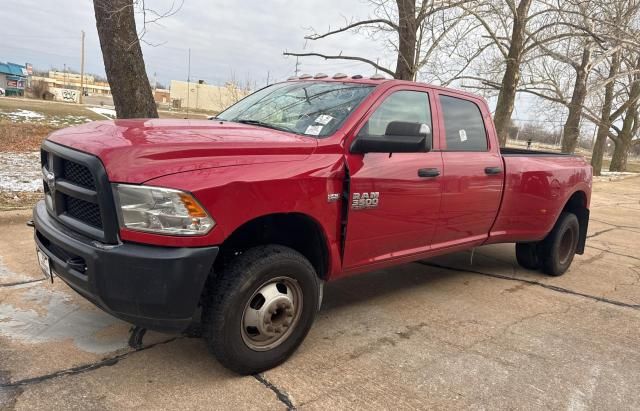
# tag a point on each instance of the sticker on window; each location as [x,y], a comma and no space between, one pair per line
[313,130]
[463,135]
[324,119]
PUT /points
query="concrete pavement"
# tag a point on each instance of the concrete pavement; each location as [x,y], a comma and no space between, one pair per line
[444,333]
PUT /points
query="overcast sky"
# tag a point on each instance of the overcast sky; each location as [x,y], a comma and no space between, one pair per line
[228,39]
[245,37]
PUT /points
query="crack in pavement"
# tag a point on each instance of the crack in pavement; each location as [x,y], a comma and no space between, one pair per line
[282,396]
[538,283]
[21,282]
[613,252]
[629,227]
[602,232]
[105,362]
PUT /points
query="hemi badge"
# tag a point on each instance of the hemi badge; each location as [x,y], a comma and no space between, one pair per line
[333,197]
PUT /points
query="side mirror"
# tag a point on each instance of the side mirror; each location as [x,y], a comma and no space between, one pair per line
[400,137]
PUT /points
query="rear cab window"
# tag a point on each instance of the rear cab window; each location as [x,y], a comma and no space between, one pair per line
[463,125]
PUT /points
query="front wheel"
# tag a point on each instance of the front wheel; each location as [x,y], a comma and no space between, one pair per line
[260,308]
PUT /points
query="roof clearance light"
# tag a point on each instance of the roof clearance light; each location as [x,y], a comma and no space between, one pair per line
[378,77]
[292,78]
[340,75]
[305,76]
[356,77]
[320,75]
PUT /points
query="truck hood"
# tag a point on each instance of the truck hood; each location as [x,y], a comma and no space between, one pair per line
[134,151]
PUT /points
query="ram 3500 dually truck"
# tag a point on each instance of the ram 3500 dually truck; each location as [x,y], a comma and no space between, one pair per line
[247,215]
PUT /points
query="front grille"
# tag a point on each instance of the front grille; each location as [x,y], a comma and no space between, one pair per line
[78,174]
[79,196]
[84,211]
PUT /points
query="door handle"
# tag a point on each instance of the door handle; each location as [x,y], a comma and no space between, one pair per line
[428,172]
[492,170]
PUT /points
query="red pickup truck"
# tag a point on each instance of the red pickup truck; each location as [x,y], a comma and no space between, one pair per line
[248,214]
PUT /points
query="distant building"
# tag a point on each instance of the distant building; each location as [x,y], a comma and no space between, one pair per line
[13,78]
[162,96]
[71,81]
[206,97]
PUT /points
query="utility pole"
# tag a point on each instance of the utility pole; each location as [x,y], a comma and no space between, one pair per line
[297,66]
[82,69]
[268,73]
[188,80]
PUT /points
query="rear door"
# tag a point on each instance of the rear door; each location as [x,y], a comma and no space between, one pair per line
[473,174]
[393,211]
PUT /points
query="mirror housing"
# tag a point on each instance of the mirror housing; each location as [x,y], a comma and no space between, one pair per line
[400,137]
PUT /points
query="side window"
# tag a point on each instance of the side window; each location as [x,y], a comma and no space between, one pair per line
[463,124]
[412,106]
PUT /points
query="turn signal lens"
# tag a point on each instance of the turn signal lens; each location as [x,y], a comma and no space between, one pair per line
[192,206]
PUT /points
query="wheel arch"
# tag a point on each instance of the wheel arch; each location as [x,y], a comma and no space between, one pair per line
[298,231]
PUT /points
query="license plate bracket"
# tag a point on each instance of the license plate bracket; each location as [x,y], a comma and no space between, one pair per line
[45,264]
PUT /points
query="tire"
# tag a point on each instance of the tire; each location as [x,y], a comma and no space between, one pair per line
[264,285]
[527,255]
[557,250]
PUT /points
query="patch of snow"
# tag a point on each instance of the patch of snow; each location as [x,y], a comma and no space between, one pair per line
[26,114]
[105,112]
[20,172]
[613,175]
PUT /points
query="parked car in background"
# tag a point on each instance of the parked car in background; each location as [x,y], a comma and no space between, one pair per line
[247,215]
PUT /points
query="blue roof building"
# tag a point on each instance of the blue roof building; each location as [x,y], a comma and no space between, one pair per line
[13,78]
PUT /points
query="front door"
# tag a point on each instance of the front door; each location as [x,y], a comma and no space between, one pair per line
[394,198]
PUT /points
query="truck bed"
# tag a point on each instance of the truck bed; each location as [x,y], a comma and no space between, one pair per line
[537,186]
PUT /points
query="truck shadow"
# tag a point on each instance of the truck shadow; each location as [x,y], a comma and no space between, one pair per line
[377,284]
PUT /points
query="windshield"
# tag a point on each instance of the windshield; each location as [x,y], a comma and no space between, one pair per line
[311,108]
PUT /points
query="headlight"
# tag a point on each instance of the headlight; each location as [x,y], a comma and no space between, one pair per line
[160,210]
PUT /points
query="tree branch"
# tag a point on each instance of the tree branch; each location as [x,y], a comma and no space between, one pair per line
[351,26]
[341,57]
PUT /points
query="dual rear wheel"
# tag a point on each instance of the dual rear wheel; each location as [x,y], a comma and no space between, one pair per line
[554,254]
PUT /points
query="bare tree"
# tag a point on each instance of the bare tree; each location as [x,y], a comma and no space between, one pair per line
[623,14]
[410,28]
[594,41]
[505,23]
[122,55]
[630,123]
[606,117]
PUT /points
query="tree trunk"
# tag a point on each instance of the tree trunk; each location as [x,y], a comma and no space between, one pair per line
[605,118]
[572,125]
[630,127]
[621,150]
[407,37]
[123,59]
[511,78]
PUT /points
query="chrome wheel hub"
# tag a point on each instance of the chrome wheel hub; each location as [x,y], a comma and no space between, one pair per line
[271,313]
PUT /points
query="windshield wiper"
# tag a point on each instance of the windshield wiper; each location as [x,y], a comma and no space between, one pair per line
[263,124]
